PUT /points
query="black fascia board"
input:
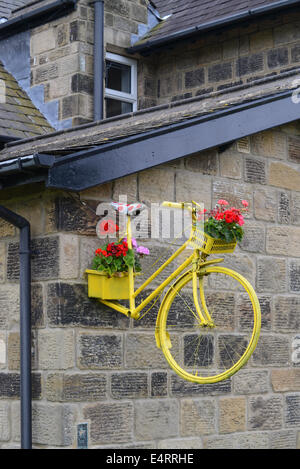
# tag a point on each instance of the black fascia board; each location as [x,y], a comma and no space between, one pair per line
[189,33]
[126,156]
[36,16]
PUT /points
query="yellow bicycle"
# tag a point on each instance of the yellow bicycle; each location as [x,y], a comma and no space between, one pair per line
[206,336]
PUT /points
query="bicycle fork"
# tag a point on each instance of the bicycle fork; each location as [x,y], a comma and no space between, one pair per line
[204,319]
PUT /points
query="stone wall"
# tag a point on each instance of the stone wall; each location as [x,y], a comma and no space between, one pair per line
[93,365]
[61,54]
[221,59]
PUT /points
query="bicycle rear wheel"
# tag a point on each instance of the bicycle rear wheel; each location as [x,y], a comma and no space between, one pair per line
[204,354]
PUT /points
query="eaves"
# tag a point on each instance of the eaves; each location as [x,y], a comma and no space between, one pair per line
[127,155]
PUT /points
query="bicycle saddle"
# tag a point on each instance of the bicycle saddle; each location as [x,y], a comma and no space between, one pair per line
[128,209]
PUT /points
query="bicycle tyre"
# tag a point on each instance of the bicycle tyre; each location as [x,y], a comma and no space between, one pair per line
[180,334]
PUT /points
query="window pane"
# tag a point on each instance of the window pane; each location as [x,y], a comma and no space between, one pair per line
[115,107]
[118,76]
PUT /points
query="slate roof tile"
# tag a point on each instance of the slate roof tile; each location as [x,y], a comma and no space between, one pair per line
[190,13]
[18,116]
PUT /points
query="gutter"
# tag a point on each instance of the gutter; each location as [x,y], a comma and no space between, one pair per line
[25,323]
[98,60]
[23,20]
[25,169]
[152,44]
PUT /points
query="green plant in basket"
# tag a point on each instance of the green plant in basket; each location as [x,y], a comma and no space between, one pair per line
[224,223]
[116,258]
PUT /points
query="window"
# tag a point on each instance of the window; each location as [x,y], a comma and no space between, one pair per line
[120,85]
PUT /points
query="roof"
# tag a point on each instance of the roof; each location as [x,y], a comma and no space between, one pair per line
[188,16]
[88,136]
[8,6]
[19,118]
[93,154]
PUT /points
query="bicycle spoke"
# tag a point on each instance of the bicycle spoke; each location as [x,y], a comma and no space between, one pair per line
[212,351]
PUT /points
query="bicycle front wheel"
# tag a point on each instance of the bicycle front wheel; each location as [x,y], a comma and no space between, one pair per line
[209,354]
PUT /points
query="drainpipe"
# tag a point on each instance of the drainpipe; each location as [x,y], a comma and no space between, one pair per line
[98,60]
[25,323]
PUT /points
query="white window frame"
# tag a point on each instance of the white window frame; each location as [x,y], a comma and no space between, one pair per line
[119,95]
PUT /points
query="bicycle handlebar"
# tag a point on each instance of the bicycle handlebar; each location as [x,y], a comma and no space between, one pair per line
[180,205]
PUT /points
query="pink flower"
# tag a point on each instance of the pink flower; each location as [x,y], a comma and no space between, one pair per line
[245,203]
[241,221]
[133,242]
[222,202]
[143,250]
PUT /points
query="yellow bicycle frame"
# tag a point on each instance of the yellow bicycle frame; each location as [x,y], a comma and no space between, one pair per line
[196,260]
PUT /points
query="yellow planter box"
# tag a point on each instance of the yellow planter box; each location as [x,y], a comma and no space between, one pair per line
[107,288]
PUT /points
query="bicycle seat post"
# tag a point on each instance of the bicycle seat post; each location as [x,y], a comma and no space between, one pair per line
[130,269]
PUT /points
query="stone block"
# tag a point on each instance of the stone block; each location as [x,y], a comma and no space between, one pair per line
[5,427]
[251,382]
[194,78]
[265,413]
[10,385]
[2,262]
[75,216]
[9,305]
[278,57]
[261,40]
[283,241]
[253,440]
[193,186]
[284,208]
[249,64]
[198,417]
[295,209]
[182,443]
[68,256]
[245,312]
[294,149]
[286,317]
[69,305]
[231,165]
[271,350]
[43,41]
[53,424]
[204,162]
[285,380]
[100,351]
[284,176]
[56,349]
[44,259]
[46,73]
[292,410]
[294,276]
[3,350]
[269,143]
[232,415]
[283,439]
[255,171]
[111,422]
[220,72]
[82,83]
[156,185]
[75,387]
[271,274]
[141,352]
[129,385]
[159,384]
[265,206]
[155,418]
[254,238]
[183,388]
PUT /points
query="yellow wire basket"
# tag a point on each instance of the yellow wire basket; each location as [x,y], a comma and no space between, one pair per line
[209,245]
